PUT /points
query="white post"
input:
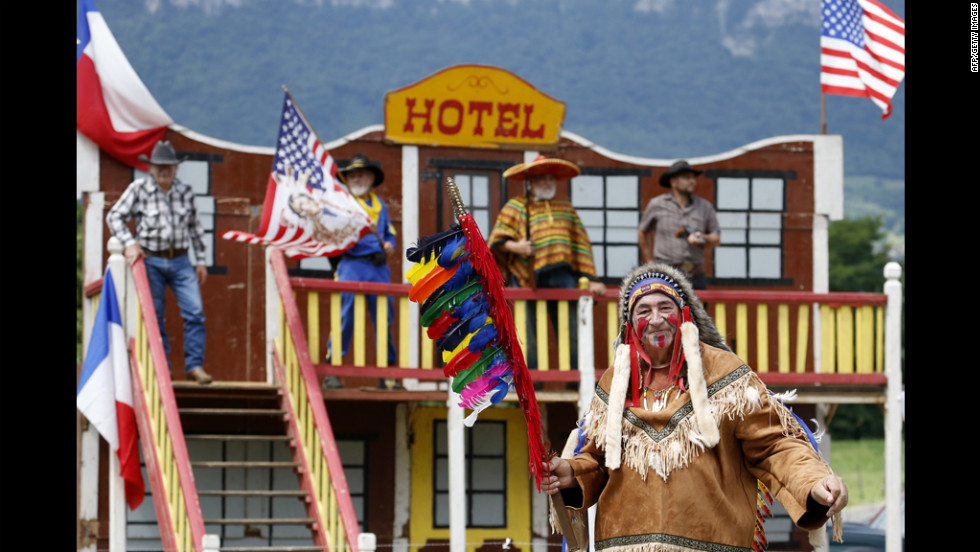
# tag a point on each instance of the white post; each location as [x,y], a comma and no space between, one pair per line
[271,313]
[211,543]
[410,235]
[403,478]
[367,542]
[92,269]
[586,354]
[117,491]
[893,407]
[457,475]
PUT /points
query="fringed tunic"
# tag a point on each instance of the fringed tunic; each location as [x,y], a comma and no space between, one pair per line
[671,494]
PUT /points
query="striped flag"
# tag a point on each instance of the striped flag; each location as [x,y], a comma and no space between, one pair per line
[105,391]
[862,51]
[307,212]
[113,107]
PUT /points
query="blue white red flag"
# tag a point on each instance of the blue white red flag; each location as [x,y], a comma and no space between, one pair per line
[114,109]
[105,391]
[862,51]
[307,212]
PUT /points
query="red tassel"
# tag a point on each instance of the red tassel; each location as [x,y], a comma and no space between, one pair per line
[499,309]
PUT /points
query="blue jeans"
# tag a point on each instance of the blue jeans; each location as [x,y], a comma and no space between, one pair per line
[558,278]
[357,270]
[180,276]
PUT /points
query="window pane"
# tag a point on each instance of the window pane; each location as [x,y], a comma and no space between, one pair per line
[442,474]
[622,259]
[624,219]
[730,262]
[764,237]
[351,452]
[194,173]
[487,474]
[481,190]
[442,510]
[595,234]
[765,262]
[766,220]
[591,217]
[463,183]
[598,257]
[733,194]
[440,434]
[487,510]
[587,191]
[488,438]
[621,191]
[621,235]
[355,480]
[733,226]
[204,204]
[316,263]
[482,219]
[767,194]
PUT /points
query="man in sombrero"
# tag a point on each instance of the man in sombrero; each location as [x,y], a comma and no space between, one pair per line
[540,242]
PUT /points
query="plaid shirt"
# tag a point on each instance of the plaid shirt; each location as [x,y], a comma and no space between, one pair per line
[163,220]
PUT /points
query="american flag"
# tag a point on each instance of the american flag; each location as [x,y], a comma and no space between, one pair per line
[306,212]
[862,51]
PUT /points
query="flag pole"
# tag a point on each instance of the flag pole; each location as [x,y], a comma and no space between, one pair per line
[823,111]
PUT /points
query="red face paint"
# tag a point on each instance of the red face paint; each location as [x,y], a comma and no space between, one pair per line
[661,340]
[672,319]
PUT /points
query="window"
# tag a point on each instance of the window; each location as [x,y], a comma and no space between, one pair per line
[353,456]
[608,202]
[486,474]
[474,191]
[750,206]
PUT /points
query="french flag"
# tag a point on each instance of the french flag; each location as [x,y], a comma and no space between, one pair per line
[105,391]
[114,109]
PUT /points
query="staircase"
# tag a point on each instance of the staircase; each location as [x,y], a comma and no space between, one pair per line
[245,467]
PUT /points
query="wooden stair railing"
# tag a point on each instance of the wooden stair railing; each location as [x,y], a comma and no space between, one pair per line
[161,434]
[336,527]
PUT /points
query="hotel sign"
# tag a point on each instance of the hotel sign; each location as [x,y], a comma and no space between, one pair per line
[473,106]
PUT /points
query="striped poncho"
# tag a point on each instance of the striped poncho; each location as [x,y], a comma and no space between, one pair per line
[557,234]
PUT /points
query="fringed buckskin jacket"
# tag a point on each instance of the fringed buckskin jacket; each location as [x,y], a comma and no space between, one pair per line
[672,495]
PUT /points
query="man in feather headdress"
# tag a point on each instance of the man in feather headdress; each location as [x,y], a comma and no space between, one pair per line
[684,439]
[540,242]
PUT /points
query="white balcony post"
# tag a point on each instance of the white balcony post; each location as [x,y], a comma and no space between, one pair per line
[893,407]
[586,352]
[367,542]
[117,492]
[457,474]
[271,313]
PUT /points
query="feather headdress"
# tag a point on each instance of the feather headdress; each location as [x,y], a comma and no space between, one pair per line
[460,290]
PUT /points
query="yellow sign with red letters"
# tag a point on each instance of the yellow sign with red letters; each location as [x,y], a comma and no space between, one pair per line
[473,106]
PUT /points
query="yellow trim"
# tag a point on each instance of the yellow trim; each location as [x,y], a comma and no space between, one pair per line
[802,336]
[541,331]
[762,337]
[742,330]
[518,520]
[360,312]
[564,343]
[782,315]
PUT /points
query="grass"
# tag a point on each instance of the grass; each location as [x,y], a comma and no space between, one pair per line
[861,463]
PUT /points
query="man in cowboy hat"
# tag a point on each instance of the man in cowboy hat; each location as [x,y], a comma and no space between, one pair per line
[539,241]
[684,441]
[166,224]
[367,260]
[677,226]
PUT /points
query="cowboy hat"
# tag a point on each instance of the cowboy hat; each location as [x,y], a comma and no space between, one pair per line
[563,170]
[360,161]
[675,169]
[163,154]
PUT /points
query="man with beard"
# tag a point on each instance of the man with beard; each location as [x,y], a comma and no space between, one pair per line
[540,242]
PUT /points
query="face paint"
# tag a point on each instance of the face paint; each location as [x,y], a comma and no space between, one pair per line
[661,341]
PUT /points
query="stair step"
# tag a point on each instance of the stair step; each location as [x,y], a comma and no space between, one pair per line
[272,549]
[233,411]
[220,464]
[260,521]
[232,437]
[252,493]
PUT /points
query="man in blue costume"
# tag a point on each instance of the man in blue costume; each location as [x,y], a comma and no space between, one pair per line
[368,260]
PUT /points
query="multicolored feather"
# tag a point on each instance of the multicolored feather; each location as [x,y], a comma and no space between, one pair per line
[461,292]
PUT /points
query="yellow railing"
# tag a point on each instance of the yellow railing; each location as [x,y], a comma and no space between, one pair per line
[323,473]
[774,332]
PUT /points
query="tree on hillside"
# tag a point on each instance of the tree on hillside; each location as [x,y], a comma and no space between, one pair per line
[857,255]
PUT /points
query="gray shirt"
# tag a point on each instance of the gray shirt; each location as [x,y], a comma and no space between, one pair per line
[666,216]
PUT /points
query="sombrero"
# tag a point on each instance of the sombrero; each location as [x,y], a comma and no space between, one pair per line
[563,170]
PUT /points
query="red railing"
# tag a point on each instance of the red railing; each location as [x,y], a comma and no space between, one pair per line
[323,473]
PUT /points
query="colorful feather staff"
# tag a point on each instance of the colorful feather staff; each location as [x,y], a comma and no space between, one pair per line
[461,293]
